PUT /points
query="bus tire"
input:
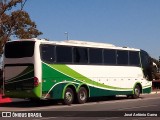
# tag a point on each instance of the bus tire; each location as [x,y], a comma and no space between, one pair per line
[68,96]
[137,92]
[82,95]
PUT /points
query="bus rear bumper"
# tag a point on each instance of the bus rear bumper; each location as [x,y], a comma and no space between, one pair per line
[21,94]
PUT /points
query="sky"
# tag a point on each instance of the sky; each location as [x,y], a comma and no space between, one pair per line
[131,23]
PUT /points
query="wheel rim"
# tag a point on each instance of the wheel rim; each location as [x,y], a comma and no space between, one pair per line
[68,96]
[82,95]
[137,92]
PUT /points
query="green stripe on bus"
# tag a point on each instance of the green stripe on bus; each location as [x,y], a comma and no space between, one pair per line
[68,72]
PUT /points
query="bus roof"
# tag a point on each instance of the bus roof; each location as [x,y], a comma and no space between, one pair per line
[80,43]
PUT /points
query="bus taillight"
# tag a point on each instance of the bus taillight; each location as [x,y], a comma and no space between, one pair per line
[36,82]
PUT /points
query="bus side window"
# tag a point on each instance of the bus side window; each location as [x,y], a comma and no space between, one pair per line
[109,56]
[95,56]
[134,58]
[80,55]
[63,54]
[48,53]
[122,57]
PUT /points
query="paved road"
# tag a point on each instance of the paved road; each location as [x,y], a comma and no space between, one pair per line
[147,107]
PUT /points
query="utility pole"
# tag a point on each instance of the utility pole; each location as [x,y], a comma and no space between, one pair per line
[67,37]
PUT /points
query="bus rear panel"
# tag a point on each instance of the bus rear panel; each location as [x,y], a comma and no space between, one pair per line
[19,75]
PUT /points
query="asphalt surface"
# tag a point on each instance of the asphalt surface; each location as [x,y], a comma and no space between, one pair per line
[144,108]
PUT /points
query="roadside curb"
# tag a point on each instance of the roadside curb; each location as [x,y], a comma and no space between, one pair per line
[155,92]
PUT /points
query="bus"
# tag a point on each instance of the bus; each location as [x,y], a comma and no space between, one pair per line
[73,70]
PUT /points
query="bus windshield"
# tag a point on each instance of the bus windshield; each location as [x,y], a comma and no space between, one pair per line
[19,49]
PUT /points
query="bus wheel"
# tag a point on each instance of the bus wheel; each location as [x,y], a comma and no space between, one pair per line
[68,96]
[137,92]
[82,95]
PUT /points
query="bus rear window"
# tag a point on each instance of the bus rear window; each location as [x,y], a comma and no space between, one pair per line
[19,49]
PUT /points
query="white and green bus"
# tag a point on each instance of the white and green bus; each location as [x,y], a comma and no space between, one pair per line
[74,70]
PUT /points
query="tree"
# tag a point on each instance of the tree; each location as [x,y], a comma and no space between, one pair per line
[155,69]
[16,23]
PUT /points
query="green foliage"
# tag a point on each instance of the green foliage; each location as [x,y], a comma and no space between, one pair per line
[23,26]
